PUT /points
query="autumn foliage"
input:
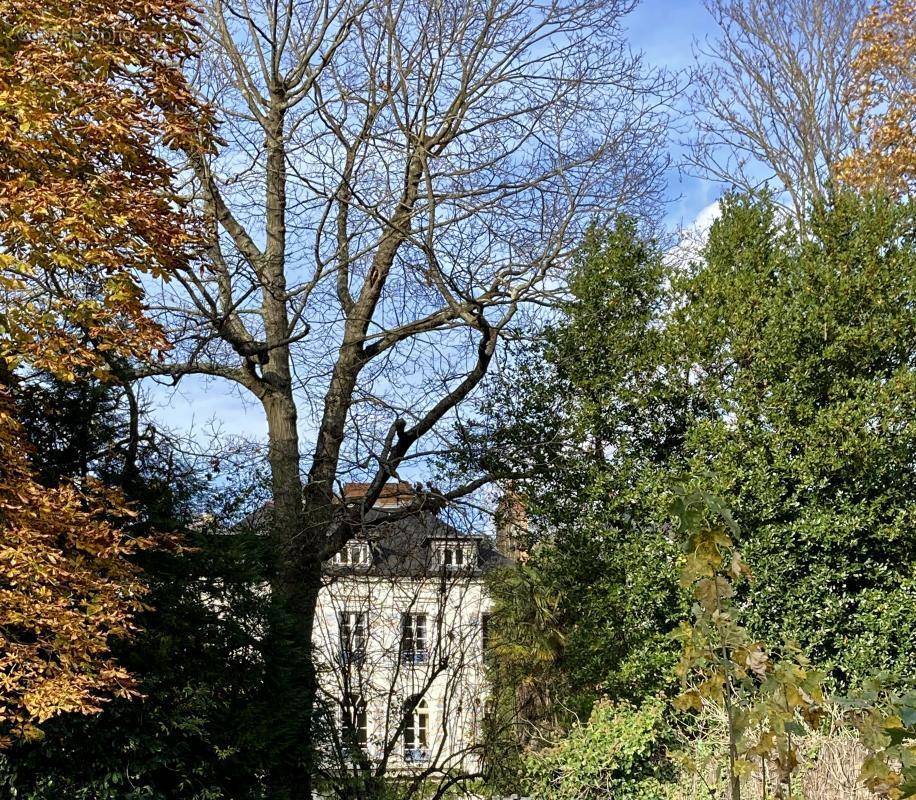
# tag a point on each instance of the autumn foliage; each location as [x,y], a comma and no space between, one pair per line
[92,96]
[67,586]
[89,90]
[884,100]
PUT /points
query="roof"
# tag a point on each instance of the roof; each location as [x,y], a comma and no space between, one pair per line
[405,548]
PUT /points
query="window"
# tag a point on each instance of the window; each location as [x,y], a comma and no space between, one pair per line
[413,638]
[354,554]
[453,556]
[415,732]
[456,555]
[354,720]
[486,621]
[352,636]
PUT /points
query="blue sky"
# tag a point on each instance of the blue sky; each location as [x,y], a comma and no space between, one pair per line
[665,31]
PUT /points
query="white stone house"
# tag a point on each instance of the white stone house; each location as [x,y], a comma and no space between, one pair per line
[399,636]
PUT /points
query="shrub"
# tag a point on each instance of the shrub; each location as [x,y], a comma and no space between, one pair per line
[620,752]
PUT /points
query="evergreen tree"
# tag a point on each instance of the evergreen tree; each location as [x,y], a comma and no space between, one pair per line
[193,734]
[804,352]
[595,416]
[783,365]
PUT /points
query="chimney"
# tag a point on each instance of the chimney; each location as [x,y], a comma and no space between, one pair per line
[393,495]
[511,524]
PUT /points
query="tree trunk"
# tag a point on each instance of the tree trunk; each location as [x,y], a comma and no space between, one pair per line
[291,686]
[290,682]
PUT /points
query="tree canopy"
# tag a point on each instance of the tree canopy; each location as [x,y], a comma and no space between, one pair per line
[883,91]
[87,205]
[783,367]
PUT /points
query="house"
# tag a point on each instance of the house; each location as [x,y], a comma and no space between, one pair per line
[399,637]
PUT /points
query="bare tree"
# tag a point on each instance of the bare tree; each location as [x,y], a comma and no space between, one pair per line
[398,181]
[770,94]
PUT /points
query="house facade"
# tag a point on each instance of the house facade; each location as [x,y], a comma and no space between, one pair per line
[399,636]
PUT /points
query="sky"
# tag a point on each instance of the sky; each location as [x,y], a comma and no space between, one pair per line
[665,31]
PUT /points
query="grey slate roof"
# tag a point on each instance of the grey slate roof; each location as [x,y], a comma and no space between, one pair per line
[404,548]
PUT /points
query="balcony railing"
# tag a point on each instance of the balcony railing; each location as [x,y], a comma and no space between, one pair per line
[416,755]
[414,657]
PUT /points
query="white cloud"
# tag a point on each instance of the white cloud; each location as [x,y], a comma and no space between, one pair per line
[692,238]
[706,217]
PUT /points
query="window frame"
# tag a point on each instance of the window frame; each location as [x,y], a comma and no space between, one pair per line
[344,556]
[453,556]
[353,635]
[353,710]
[486,635]
[414,647]
[416,734]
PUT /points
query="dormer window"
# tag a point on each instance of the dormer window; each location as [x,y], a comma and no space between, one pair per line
[355,553]
[454,556]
